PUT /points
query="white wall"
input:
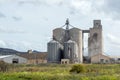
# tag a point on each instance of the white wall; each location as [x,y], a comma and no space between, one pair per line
[9,59]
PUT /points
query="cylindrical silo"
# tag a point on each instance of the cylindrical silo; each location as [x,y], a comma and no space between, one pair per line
[54,49]
[70,51]
[59,34]
[76,35]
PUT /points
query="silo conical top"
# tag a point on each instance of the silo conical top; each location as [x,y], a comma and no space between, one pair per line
[53,41]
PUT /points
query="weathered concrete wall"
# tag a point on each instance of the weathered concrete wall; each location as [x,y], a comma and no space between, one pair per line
[71,51]
[95,40]
[59,34]
[100,58]
[76,35]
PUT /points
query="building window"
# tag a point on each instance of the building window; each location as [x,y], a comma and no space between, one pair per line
[15,60]
[118,59]
[101,60]
[65,62]
[62,62]
[106,61]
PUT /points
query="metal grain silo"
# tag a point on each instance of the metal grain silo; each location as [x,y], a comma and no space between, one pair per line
[76,35]
[70,51]
[54,49]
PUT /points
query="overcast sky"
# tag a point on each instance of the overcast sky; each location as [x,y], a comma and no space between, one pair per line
[28,24]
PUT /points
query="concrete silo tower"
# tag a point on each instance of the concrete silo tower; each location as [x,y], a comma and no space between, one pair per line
[76,35]
[95,40]
[59,34]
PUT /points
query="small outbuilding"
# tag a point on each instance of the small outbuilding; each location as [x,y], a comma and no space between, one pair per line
[100,58]
[115,59]
[65,61]
[35,58]
[13,59]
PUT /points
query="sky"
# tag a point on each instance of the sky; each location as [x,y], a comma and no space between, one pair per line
[28,24]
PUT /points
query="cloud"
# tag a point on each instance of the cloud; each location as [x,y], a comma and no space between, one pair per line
[2,1]
[112,44]
[33,2]
[2,15]
[113,39]
[41,2]
[112,8]
[6,30]
[54,1]
[19,45]
[81,4]
[16,18]
[113,5]
[109,8]
[2,43]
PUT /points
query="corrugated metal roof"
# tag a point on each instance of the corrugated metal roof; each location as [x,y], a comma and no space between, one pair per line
[4,56]
[115,56]
[34,55]
[53,41]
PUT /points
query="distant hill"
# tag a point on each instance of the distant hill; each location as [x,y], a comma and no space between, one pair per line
[7,51]
[35,51]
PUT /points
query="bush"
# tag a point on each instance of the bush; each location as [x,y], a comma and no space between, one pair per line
[3,66]
[78,68]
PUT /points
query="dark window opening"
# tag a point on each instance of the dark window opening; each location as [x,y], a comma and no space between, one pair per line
[118,59]
[106,61]
[65,62]
[15,61]
[97,23]
[61,54]
[95,36]
[102,60]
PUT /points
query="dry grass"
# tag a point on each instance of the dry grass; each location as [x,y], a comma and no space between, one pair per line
[61,72]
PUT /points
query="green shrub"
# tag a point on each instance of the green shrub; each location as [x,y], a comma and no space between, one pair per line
[78,68]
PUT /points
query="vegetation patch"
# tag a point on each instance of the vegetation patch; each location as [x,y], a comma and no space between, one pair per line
[3,66]
[62,72]
[78,68]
